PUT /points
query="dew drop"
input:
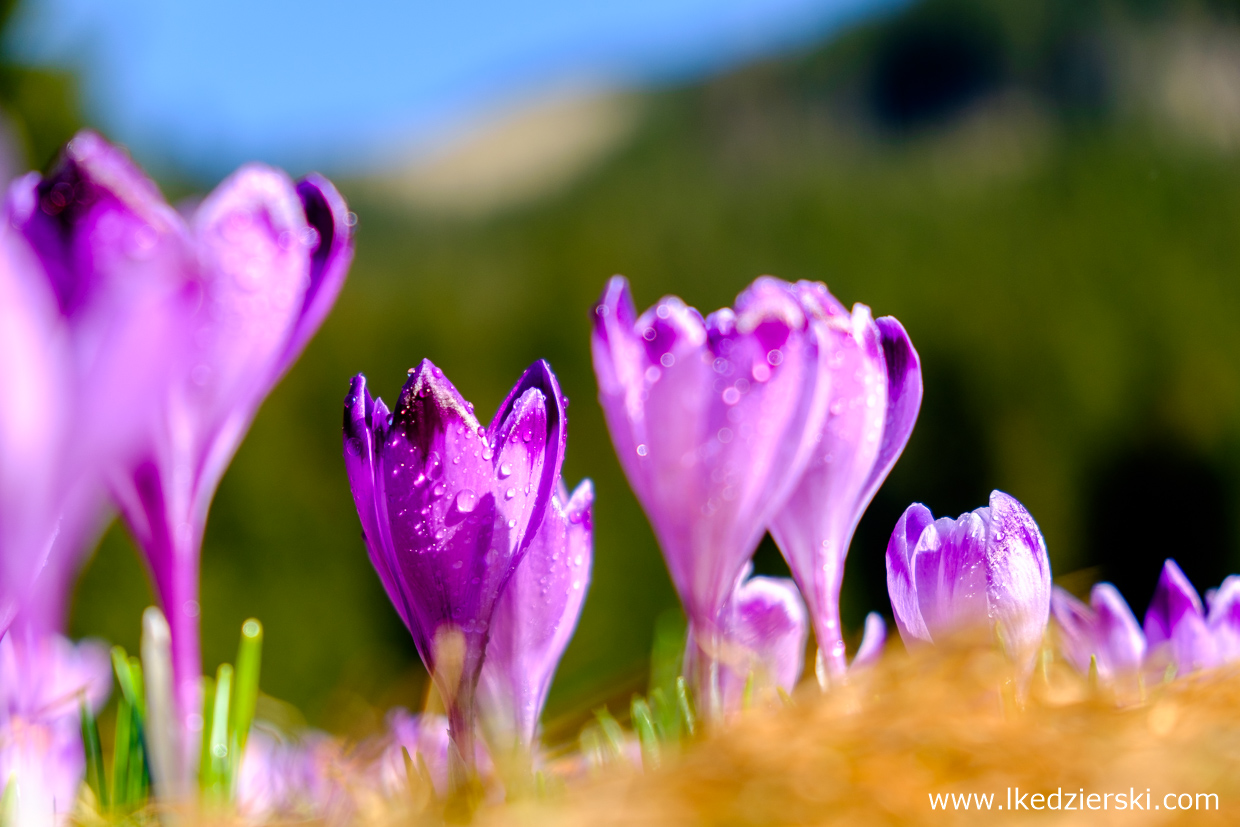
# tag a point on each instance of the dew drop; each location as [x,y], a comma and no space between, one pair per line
[457,565]
[438,490]
[466,499]
[505,470]
[510,493]
[512,523]
[642,450]
[731,396]
[667,360]
[775,357]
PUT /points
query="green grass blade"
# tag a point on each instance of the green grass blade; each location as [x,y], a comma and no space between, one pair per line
[94,757]
[643,723]
[120,755]
[244,694]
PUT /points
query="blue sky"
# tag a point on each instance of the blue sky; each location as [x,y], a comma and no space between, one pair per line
[341,86]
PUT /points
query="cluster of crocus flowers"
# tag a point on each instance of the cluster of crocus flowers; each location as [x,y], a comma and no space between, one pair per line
[784,413]
[136,344]
[1179,636]
[481,550]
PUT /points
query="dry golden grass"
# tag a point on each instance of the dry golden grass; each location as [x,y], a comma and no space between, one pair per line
[873,752]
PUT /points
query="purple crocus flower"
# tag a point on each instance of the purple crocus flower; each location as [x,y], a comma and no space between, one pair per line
[35,374]
[1224,618]
[43,681]
[875,381]
[713,421]
[425,737]
[448,509]
[987,567]
[1105,630]
[765,629]
[290,778]
[1176,628]
[179,329]
[536,616]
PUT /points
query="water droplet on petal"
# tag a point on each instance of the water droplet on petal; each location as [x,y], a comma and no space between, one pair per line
[438,490]
[466,499]
[505,470]
[641,450]
[667,360]
[512,523]
[731,396]
[775,357]
[457,565]
[510,493]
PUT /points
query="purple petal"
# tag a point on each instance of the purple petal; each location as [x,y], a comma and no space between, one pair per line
[684,400]
[1078,629]
[1119,635]
[35,375]
[901,584]
[949,574]
[530,432]
[1224,619]
[873,639]
[1019,574]
[328,216]
[536,615]
[1175,625]
[904,391]
[365,430]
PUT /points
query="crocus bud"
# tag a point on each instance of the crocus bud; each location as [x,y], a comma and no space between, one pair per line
[448,509]
[1175,625]
[713,421]
[873,638]
[1104,631]
[43,681]
[536,616]
[762,649]
[875,394]
[1224,619]
[987,567]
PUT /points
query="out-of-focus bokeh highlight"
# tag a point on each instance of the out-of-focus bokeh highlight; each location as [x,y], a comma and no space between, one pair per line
[1046,194]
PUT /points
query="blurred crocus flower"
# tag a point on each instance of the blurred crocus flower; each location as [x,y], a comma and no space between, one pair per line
[713,420]
[35,375]
[426,741]
[1224,618]
[44,681]
[535,618]
[1176,628]
[1105,631]
[875,394]
[179,329]
[987,567]
[284,778]
[448,509]
[762,649]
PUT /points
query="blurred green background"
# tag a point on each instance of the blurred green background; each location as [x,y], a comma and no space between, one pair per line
[1047,195]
